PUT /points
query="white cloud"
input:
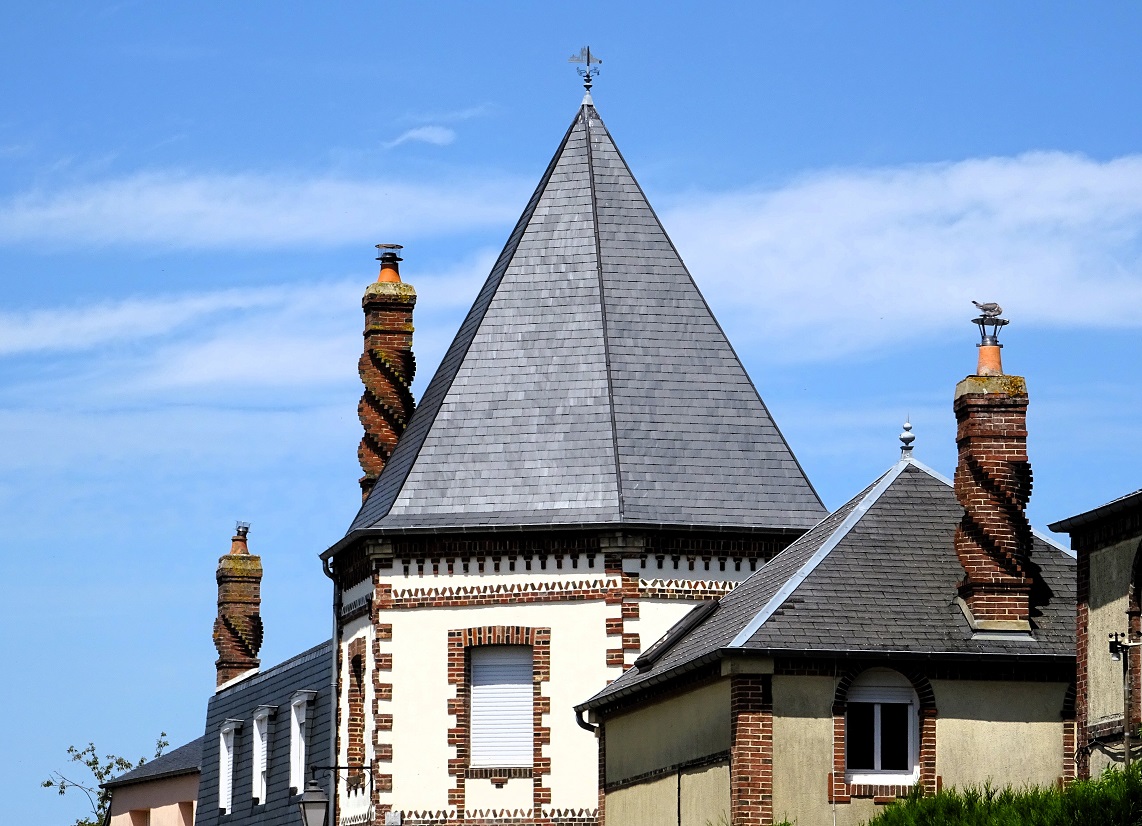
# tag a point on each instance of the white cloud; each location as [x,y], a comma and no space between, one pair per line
[846,261]
[435,135]
[254,211]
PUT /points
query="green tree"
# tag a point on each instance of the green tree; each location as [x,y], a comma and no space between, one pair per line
[101,770]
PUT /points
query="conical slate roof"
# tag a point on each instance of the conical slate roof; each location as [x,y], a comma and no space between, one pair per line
[589,383]
[876,578]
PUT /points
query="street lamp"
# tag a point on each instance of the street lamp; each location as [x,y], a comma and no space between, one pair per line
[314,805]
[1120,644]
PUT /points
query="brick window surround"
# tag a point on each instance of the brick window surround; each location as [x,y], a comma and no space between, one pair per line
[459,675]
[841,791]
[355,724]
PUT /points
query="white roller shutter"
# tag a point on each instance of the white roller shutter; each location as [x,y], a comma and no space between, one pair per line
[501,705]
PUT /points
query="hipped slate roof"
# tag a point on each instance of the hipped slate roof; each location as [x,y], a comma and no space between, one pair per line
[877,577]
[183,760]
[589,383]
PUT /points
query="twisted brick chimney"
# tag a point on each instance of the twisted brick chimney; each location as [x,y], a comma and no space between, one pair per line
[387,366]
[238,628]
[993,483]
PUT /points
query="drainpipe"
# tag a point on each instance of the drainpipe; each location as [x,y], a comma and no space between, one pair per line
[335,660]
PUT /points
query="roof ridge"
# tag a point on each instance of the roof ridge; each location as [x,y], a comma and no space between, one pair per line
[603,302]
[826,547]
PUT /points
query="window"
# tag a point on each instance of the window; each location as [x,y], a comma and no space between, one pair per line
[298,714]
[881,729]
[501,706]
[261,752]
[226,764]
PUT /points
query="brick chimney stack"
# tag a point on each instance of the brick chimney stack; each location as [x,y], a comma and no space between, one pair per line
[387,365]
[238,628]
[993,483]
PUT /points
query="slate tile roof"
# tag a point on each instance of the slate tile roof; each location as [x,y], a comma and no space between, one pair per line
[183,760]
[876,577]
[307,671]
[589,383]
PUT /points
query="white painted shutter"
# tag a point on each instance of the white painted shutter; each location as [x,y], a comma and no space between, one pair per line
[261,743]
[226,770]
[501,705]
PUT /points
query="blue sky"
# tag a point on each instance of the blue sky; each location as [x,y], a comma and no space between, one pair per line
[189,195]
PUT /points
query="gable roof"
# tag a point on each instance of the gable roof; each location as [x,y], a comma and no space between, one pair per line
[186,759]
[877,577]
[589,383]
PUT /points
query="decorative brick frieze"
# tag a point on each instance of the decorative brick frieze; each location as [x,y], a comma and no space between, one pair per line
[502,817]
[513,593]
[751,750]
[459,735]
[498,545]
[1108,530]
[720,545]
[699,589]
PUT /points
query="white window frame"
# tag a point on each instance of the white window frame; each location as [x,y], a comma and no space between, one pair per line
[227,735]
[883,685]
[298,740]
[518,704]
[261,753]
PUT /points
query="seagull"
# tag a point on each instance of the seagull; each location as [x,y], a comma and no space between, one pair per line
[989,310]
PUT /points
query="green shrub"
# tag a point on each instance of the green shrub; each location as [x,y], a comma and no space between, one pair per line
[1114,799]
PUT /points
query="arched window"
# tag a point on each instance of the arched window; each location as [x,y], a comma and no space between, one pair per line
[882,731]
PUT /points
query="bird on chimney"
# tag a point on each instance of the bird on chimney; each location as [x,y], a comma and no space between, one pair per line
[989,309]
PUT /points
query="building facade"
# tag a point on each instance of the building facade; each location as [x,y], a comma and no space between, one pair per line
[922,634]
[588,463]
[1108,541]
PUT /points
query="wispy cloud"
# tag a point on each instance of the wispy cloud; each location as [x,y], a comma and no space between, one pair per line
[846,261]
[451,116]
[435,135]
[253,211]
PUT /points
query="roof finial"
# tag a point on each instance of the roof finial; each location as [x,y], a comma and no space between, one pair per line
[588,74]
[906,439]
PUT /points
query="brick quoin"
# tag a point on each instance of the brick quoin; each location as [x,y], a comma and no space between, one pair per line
[751,751]
[387,367]
[993,484]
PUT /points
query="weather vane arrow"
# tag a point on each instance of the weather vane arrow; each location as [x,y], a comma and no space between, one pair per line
[586,72]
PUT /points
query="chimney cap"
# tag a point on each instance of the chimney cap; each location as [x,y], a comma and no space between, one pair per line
[989,319]
[389,252]
[241,528]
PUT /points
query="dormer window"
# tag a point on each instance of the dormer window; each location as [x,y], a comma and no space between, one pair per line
[298,738]
[261,745]
[226,738]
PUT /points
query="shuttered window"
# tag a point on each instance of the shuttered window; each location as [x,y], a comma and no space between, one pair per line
[501,706]
[226,767]
[261,749]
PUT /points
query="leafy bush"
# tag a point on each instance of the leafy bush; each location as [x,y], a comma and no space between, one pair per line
[1114,799]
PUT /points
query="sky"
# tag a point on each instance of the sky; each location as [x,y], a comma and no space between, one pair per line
[190,195]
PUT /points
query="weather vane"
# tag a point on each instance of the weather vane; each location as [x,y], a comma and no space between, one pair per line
[588,74]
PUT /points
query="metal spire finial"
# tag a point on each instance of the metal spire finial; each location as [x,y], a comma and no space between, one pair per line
[906,439]
[588,74]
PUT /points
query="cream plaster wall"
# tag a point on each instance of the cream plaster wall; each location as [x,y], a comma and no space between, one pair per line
[647,804]
[655,617]
[803,754]
[170,801]
[421,693]
[482,794]
[999,732]
[705,795]
[1109,585]
[686,727]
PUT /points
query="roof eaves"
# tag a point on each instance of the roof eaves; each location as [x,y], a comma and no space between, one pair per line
[818,556]
[1127,502]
